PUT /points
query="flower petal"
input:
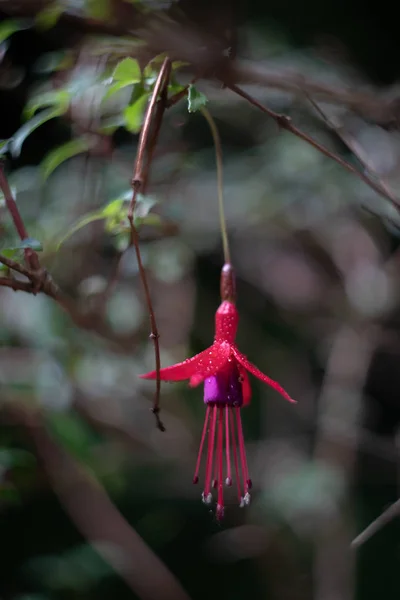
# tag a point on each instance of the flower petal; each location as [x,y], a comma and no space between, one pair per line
[257,373]
[201,365]
[246,388]
[211,361]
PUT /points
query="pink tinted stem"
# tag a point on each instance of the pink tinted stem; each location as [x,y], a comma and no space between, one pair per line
[220,457]
[235,456]
[210,451]
[203,437]
[242,451]
[228,480]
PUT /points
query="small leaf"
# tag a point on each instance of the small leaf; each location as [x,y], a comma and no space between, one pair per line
[195,99]
[127,70]
[85,220]
[110,125]
[143,205]
[134,114]
[48,16]
[20,136]
[114,207]
[59,98]
[116,87]
[152,220]
[12,253]
[63,153]
[7,28]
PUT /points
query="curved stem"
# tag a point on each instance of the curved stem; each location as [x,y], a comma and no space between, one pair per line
[218,155]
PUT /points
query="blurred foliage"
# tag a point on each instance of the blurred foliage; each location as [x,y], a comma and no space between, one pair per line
[315,252]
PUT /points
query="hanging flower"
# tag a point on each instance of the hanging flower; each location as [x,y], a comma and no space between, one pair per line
[223,369]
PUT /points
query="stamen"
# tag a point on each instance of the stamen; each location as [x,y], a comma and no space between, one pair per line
[210,451]
[203,437]
[220,459]
[235,457]
[228,480]
[242,450]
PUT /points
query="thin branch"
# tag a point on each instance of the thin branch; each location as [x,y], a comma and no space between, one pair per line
[357,151]
[388,515]
[15,285]
[146,144]
[15,266]
[284,122]
[31,257]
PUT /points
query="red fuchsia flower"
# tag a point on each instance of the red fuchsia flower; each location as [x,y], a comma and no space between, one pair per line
[223,369]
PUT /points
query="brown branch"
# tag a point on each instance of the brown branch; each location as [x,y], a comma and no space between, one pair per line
[98,519]
[15,266]
[388,515]
[31,257]
[356,150]
[284,122]
[147,141]
[40,281]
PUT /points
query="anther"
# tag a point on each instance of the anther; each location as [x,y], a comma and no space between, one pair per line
[247,499]
[195,479]
[228,481]
[219,512]
[207,499]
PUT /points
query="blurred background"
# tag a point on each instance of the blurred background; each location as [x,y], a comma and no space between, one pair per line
[316,252]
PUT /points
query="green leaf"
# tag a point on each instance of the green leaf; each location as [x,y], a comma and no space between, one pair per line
[111,124]
[113,208]
[134,114]
[7,28]
[85,220]
[127,70]
[48,16]
[116,87]
[195,99]
[12,253]
[29,127]
[63,153]
[59,98]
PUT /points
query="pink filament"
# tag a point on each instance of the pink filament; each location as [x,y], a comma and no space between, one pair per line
[220,459]
[228,452]
[235,457]
[242,451]
[203,437]
[210,451]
